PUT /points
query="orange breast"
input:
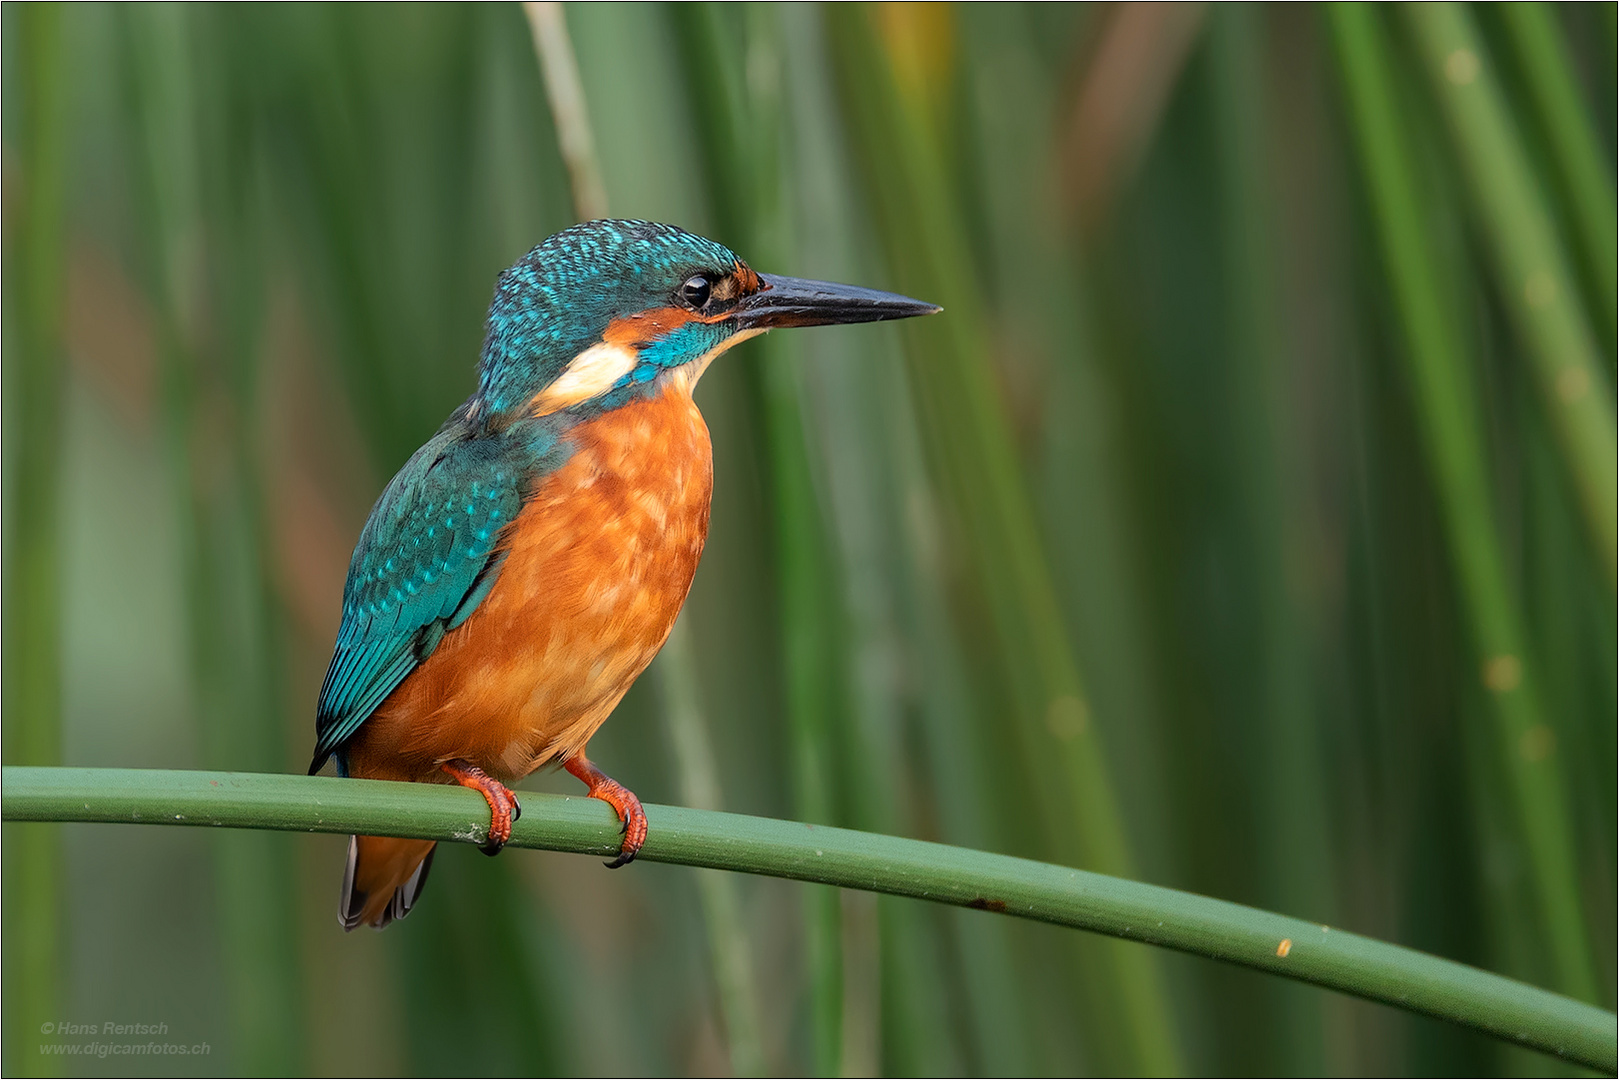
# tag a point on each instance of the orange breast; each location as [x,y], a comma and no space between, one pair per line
[599,563]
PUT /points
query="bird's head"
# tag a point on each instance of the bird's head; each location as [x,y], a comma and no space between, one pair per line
[599,312]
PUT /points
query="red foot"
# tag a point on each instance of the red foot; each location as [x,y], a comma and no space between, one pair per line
[503,808]
[620,798]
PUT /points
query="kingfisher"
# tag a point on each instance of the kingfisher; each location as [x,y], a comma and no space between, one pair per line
[528,562]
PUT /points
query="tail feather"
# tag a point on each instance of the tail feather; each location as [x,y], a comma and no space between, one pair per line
[382,879]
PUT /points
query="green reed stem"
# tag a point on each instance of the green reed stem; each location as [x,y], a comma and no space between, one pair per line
[1064,767]
[1576,151]
[1444,400]
[186,185]
[676,673]
[1530,268]
[739,124]
[1293,948]
[1296,852]
[34,398]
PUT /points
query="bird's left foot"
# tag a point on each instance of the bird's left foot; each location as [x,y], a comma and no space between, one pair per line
[620,798]
[503,807]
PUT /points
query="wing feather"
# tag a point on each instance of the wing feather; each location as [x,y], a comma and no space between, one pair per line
[428,556]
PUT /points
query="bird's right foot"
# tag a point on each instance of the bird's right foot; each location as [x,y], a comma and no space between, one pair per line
[620,798]
[503,807]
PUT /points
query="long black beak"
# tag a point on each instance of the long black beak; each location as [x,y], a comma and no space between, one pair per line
[785,301]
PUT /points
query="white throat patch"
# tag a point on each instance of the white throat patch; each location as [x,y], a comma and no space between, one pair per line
[599,368]
[592,372]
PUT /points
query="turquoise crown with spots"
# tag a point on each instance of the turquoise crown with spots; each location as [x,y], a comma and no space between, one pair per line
[559,299]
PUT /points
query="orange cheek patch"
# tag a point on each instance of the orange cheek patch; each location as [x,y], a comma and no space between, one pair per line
[646,327]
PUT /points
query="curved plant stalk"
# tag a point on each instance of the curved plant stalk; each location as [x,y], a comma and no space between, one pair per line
[1531,269]
[1131,910]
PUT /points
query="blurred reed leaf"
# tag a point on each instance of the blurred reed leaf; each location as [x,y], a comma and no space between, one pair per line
[200,254]
[733,68]
[971,448]
[1533,274]
[1444,398]
[1297,849]
[38,119]
[1583,175]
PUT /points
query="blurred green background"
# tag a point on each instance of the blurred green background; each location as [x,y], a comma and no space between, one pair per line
[1245,524]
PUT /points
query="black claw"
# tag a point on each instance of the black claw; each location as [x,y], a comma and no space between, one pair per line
[624,859]
[492,848]
[517,808]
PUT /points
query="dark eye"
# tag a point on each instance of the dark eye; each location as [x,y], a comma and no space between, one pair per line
[694,292]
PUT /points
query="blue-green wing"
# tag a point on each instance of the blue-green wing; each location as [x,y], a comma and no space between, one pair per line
[428,556]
